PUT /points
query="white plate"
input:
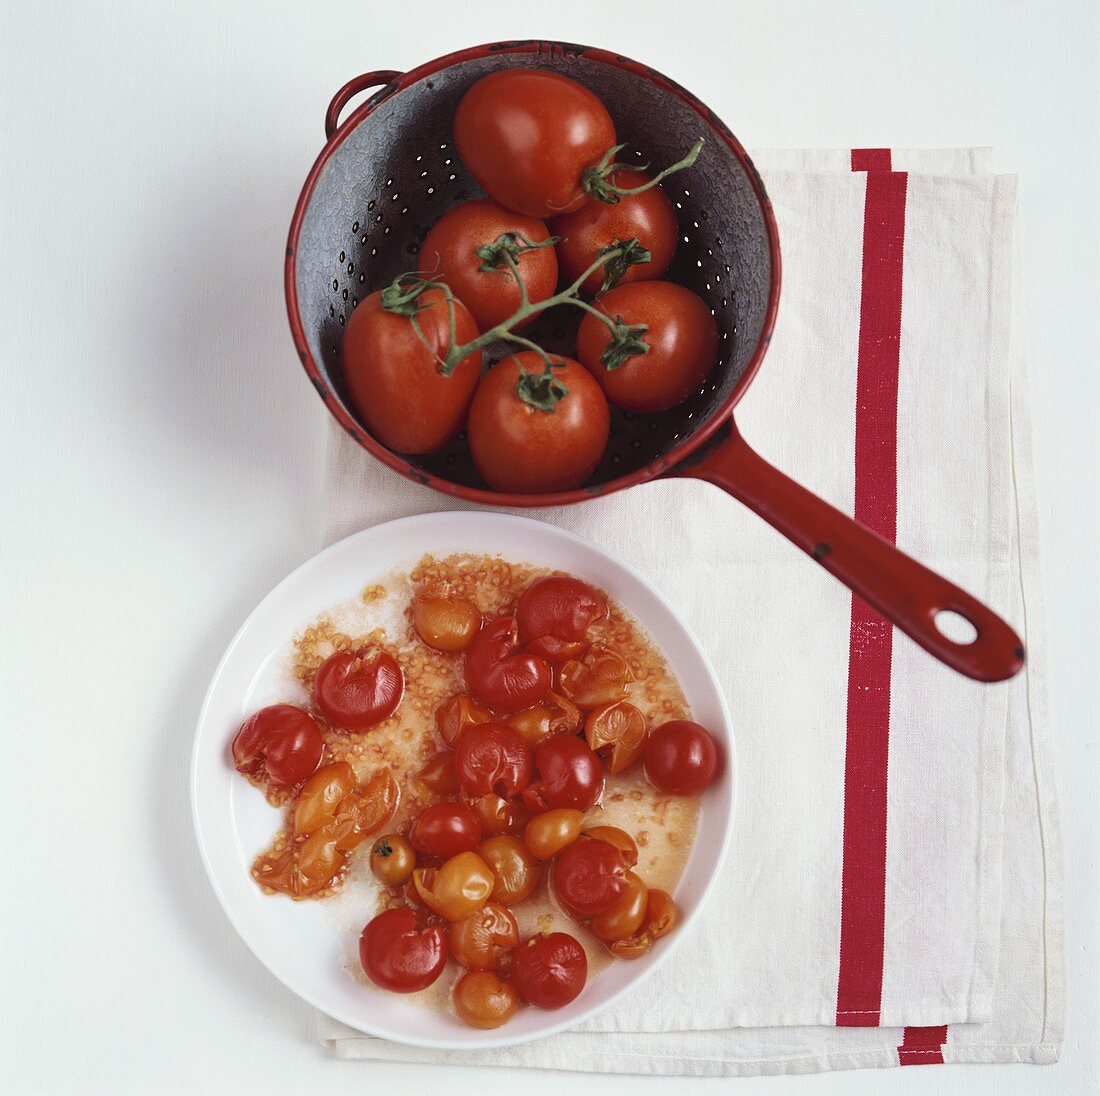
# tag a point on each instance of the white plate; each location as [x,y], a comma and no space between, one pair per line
[298,941]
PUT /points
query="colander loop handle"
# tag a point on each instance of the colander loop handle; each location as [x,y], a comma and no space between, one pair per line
[349,91]
[901,589]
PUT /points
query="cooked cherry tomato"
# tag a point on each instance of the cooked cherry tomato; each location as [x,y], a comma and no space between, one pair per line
[550,832]
[516,871]
[536,428]
[445,829]
[556,651]
[681,758]
[601,677]
[493,757]
[501,675]
[447,624]
[648,218]
[458,889]
[399,956]
[473,247]
[279,745]
[482,940]
[482,1000]
[455,715]
[392,371]
[660,916]
[550,971]
[499,815]
[438,776]
[590,877]
[621,730]
[569,776]
[617,837]
[559,606]
[624,917]
[321,796]
[682,338]
[553,715]
[527,136]
[358,690]
[392,860]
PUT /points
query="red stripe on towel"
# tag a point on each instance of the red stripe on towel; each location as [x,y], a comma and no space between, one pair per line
[863,885]
[922,1046]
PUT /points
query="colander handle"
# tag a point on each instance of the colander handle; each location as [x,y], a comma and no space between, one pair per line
[349,91]
[900,588]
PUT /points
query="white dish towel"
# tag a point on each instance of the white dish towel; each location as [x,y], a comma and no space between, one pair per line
[894,891]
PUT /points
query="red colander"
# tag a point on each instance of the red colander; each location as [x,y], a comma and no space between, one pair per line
[390,171]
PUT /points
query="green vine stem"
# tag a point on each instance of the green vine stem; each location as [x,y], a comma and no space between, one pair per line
[597,179]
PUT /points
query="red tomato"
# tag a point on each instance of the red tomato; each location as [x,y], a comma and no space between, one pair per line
[460,250]
[682,337]
[648,217]
[395,380]
[535,429]
[570,775]
[398,956]
[499,675]
[556,651]
[280,745]
[550,971]
[527,136]
[590,876]
[493,757]
[357,690]
[445,830]
[559,606]
[680,758]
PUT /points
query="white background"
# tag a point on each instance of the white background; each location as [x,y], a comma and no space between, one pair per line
[160,450]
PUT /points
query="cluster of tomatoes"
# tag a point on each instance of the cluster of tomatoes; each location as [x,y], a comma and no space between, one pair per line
[542,147]
[528,747]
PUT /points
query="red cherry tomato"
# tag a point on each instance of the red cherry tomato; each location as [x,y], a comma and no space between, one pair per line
[527,135]
[570,775]
[550,971]
[590,876]
[534,428]
[280,745]
[357,690]
[682,337]
[398,956]
[484,281]
[499,674]
[445,830]
[393,373]
[493,757]
[681,758]
[559,606]
[648,218]
[556,651]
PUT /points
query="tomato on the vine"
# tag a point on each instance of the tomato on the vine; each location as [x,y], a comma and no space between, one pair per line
[559,606]
[399,956]
[492,757]
[681,758]
[569,775]
[550,971]
[445,829]
[536,427]
[393,372]
[357,690]
[679,347]
[527,136]
[648,219]
[590,876]
[501,675]
[280,745]
[473,247]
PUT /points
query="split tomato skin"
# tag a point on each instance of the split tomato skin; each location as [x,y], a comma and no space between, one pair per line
[394,379]
[550,971]
[569,775]
[590,876]
[682,340]
[399,956]
[525,449]
[493,758]
[648,217]
[449,253]
[559,606]
[499,674]
[280,745]
[681,758]
[527,135]
[358,690]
